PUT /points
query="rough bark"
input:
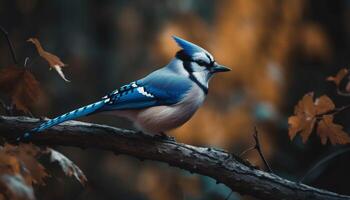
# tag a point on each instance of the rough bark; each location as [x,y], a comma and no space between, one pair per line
[226,168]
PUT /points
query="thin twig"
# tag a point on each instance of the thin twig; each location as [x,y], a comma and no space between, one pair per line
[31,61]
[322,161]
[26,61]
[341,109]
[341,93]
[13,54]
[333,112]
[258,148]
[247,150]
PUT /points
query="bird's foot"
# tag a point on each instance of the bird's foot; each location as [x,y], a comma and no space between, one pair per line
[163,136]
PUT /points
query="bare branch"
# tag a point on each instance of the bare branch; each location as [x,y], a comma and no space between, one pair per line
[323,161]
[220,165]
[12,50]
[258,148]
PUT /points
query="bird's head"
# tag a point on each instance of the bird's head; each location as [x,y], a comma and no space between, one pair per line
[198,62]
[199,58]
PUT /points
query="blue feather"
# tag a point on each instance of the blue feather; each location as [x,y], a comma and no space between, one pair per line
[188,47]
[162,87]
[83,111]
[165,86]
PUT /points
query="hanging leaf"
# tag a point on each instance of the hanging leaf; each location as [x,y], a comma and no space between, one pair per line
[304,120]
[68,167]
[27,153]
[339,77]
[19,170]
[307,114]
[54,61]
[324,104]
[334,132]
[21,86]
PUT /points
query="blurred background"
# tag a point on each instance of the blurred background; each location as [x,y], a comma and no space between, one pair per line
[278,50]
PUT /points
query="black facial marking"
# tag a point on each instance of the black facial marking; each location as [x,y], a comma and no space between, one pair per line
[183,56]
[187,66]
[211,61]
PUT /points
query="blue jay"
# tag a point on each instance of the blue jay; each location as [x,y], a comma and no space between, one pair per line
[163,100]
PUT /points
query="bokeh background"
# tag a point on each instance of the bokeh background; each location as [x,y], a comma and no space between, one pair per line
[278,50]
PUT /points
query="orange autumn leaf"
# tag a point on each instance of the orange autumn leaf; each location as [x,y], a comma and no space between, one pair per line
[324,104]
[334,132]
[305,112]
[339,77]
[304,119]
[54,61]
[21,86]
[26,154]
[299,124]
[20,170]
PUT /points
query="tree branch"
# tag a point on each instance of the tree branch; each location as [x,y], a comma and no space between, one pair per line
[12,50]
[220,165]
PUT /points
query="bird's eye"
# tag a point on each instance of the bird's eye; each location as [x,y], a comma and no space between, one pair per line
[201,62]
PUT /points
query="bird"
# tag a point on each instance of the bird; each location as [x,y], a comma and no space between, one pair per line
[161,101]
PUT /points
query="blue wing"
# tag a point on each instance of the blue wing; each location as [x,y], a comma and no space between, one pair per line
[159,88]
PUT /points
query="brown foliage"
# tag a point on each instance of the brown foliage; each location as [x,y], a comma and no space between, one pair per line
[20,170]
[339,77]
[67,166]
[328,130]
[308,113]
[21,86]
[54,61]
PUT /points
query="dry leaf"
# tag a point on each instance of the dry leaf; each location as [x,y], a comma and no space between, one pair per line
[305,115]
[21,86]
[339,77]
[19,169]
[68,167]
[334,132]
[304,120]
[27,153]
[324,104]
[54,61]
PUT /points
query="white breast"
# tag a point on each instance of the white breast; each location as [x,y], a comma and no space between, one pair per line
[159,119]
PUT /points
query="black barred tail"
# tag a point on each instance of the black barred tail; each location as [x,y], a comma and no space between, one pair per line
[83,111]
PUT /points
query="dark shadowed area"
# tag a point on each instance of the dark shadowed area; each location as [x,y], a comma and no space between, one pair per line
[278,51]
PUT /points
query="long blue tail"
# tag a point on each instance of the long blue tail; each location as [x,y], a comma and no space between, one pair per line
[83,111]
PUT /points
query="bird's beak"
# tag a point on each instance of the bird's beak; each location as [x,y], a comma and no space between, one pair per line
[219,68]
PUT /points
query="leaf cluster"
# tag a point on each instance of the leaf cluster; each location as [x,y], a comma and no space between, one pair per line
[20,170]
[318,115]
